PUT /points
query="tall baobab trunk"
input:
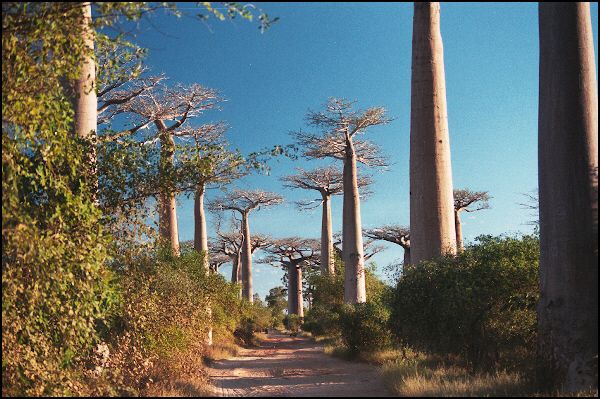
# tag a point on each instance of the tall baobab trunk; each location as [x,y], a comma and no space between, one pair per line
[86,101]
[201,244]
[246,260]
[295,299]
[459,238]
[568,195]
[168,203]
[236,269]
[200,236]
[352,244]
[406,260]
[327,260]
[86,117]
[431,200]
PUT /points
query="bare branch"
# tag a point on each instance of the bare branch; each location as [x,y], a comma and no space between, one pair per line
[395,234]
[464,198]
[339,123]
[243,201]
[292,250]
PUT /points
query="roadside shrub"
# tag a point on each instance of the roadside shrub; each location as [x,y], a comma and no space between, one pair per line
[322,320]
[162,326]
[256,317]
[479,304]
[325,317]
[292,322]
[364,327]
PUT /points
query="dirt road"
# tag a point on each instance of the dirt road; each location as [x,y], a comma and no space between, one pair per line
[286,366]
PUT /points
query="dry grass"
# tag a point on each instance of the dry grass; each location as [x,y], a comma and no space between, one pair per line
[415,374]
[185,388]
[380,357]
[219,351]
[412,378]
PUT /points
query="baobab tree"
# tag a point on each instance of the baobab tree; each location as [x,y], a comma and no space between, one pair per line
[467,201]
[568,195]
[207,163]
[292,254]
[327,181]
[85,87]
[431,206]
[217,260]
[157,107]
[395,234]
[230,243]
[340,124]
[243,202]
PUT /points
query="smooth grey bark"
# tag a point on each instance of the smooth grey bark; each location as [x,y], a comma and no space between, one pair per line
[167,202]
[236,269]
[86,114]
[352,244]
[201,244]
[458,227]
[295,299]
[406,260]
[568,196]
[200,236]
[327,259]
[431,200]
[246,260]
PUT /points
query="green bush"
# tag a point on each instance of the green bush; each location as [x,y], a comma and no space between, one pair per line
[361,327]
[364,327]
[55,286]
[479,304]
[292,322]
[322,320]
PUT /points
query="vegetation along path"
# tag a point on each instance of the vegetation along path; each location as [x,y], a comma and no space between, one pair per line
[293,366]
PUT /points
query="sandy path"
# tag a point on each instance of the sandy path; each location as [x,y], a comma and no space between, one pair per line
[286,366]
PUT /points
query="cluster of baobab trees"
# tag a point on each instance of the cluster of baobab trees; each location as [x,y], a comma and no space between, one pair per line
[567,176]
[568,171]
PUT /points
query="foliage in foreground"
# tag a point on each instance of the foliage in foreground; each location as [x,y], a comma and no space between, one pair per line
[55,285]
[166,320]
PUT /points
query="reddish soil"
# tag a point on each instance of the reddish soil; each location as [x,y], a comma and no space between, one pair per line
[293,366]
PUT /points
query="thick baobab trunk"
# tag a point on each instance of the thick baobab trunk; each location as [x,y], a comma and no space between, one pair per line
[235,269]
[327,259]
[568,195]
[201,244]
[168,204]
[431,199]
[200,236]
[246,260]
[85,98]
[458,227]
[406,260]
[86,114]
[295,299]
[352,244]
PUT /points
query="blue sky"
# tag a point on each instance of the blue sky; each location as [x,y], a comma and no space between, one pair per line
[362,51]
